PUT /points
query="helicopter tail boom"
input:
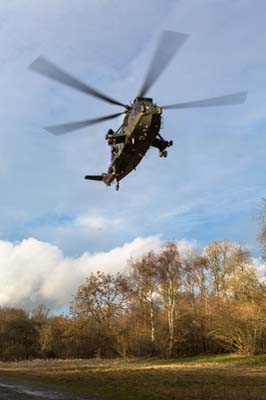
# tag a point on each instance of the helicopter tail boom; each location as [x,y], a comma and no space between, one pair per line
[94,177]
[105,177]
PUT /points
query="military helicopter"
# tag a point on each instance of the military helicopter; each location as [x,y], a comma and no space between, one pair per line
[142,122]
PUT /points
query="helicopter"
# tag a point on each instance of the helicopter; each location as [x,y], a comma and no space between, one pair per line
[141,126]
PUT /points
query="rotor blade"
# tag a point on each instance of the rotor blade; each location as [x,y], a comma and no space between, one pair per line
[72,126]
[229,100]
[50,70]
[170,42]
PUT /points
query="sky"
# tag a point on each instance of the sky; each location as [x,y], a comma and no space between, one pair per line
[56,227]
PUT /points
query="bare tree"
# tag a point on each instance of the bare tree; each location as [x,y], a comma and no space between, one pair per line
[224,259]
[170,282]
[102,297]
[144,282]
[262,233]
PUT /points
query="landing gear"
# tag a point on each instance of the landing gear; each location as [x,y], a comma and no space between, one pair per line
[161,145]
[117,185]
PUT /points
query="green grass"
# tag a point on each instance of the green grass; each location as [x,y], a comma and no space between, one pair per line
[226,358]
[197,378]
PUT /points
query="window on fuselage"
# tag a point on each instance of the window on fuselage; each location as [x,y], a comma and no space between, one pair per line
[137,108]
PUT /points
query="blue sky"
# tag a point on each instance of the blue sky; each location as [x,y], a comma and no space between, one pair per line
[209,187]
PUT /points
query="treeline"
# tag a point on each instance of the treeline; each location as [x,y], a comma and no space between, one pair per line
[165,305]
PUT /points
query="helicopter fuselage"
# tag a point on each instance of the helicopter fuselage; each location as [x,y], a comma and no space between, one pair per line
[130,143]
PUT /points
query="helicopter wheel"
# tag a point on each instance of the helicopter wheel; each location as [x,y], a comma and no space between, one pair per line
[170,143]
[163,153]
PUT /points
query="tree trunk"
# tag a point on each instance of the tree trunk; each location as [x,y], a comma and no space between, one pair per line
[152,325]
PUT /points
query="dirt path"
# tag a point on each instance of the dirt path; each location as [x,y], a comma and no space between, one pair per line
[11,389]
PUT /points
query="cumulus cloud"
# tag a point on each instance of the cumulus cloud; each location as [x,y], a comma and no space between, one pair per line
[34,272]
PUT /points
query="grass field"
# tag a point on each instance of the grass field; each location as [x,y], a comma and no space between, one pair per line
[199,378]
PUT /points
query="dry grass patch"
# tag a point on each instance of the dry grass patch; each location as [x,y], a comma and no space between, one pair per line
[200,378]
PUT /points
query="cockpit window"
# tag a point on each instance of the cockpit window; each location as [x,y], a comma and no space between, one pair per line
[137,107]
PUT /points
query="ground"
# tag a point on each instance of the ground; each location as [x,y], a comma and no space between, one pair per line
[199,378]
[15,389]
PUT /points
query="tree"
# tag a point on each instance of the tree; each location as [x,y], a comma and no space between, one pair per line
[240,327]
[262,233]
[224,259]
[196,287]
[143,284]
[101,297]
[40,317]
[97,306]
[18,336]
[170,269]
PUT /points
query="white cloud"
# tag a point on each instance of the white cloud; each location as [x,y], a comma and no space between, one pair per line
[34,272]
[260,267]
[185,246]
[95,222]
